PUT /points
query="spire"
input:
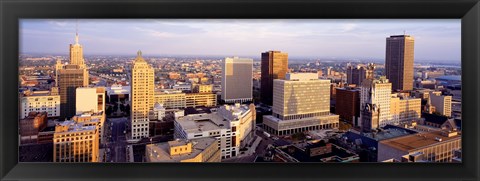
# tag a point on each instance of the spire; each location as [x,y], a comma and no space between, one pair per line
[139,56]
[76,33]
[139,53]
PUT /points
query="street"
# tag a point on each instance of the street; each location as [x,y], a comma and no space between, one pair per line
[118,142]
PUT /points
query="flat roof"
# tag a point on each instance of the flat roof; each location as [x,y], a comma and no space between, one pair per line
[160,152]
[197,123]
[417,141]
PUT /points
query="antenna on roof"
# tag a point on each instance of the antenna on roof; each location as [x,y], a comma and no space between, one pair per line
[76,31]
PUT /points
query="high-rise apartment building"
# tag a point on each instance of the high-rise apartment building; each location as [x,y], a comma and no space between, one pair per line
[90,99]
[75,142]
[301,102]
[356,75]
[142,92]
[375,95]
[399,61]
[237,80]
[274,66]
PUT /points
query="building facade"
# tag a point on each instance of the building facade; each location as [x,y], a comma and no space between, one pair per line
[237,80]
[375,96]
[75,142]
[437,146]
[232,126]
[90,99]
[142,96]
[399,60]
[356,75]
[301,102]
[404,108]
[347,104]
[274,65]
[40,101]
[442,104]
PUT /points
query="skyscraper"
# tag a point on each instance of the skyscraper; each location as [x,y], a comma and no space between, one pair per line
[399,61]
[76,53]
[237,80]
[70,77]
[142,91]
[356,75]
[375,95]
[274,66]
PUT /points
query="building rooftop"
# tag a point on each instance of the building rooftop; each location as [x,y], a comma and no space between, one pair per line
[160,152]
[313,153]
[420,140]
[197,123]
[71,126]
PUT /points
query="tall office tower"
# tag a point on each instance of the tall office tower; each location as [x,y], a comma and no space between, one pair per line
[274,66]
[301,102]
[142,91]
[76,53]
[90,99]
[75,142]
[356,75]
[69,79]
[237,80]
[399,61]
[375,95]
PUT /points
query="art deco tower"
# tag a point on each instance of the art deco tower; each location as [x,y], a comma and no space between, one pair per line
[142,92]
[399,61]
[76,53]
[274,66]
[69,78]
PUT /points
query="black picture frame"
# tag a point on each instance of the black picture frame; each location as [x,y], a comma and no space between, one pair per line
[12,11]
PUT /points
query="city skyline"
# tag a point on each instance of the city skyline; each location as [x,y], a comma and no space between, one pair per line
[437,40]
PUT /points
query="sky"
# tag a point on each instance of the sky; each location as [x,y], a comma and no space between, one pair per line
[435,40]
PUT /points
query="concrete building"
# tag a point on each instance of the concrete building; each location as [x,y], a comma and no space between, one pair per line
[356,75]
[347,104]
[40,101]
[75,142]
[436,146]
[198,150]
[375,97]
[142,91]
[301,102]
[399,58]
[90,99]
[232,125]
[442,104]
[404,108]
[274,66]
[237,80]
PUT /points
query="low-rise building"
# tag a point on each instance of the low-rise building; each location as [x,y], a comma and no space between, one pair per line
[198,150]
[232,126]
[75,142]
[40,101]
[438,146]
